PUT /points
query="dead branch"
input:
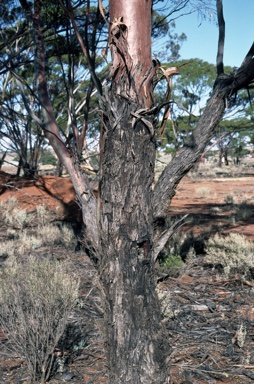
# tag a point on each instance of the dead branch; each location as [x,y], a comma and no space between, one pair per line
[166,236]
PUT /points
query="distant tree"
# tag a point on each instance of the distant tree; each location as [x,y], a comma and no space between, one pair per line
[232,137]
[190,91]
[47,157]
[72,88]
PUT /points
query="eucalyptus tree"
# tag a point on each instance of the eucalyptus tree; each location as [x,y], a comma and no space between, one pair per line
[191,90]
[125,227]
[71,86]
[69,82]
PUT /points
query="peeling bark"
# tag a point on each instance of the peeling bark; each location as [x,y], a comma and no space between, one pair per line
[135,340]
[132,313]
[122,233]
[130,44]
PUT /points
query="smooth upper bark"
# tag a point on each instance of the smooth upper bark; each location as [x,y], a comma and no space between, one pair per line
[136,15]
[130,44]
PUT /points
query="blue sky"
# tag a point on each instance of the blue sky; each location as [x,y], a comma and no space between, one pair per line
[202,39]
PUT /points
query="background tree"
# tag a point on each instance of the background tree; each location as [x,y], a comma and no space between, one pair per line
[67,74]
[125,228]
[233,136]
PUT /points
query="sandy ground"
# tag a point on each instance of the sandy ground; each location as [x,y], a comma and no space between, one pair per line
[206,309]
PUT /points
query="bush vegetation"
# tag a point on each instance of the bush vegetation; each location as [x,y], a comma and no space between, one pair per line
[31,230]
[234,252]
[47,157]
[36,299]
[36,295]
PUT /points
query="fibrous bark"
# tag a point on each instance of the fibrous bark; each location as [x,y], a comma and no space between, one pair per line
[135,341]
[136,344]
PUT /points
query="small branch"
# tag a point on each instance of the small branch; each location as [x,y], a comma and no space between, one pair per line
[69,12]
[249,55]
[220,53]
[166,236]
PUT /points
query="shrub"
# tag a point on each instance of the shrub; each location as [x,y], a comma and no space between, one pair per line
[244,211]
[19,218]
[6,208]
[172,264]
[36,299]
[203,191]
[43,215]
[232,252]
[53,234]
[229,200]
[13,216]
[48,157]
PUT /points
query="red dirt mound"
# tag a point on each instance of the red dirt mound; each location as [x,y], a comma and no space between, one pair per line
[54,192]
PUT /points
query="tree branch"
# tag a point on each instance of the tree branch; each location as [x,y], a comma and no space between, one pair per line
[221,41]
[80,182]
[249,55]
[69,12]
[159,246]
[224,88]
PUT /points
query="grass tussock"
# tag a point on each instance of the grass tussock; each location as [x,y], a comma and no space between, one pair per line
[203,192]
[36,299]
[233,252]
[47,235]
[12,216]
[29,231]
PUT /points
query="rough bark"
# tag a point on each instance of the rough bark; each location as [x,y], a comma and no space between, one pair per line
[134,336]
[124,240]
[135,340]
[220,51]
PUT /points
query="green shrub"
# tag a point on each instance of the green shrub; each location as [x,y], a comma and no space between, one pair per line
[36,299]
[172,264]
[244,211]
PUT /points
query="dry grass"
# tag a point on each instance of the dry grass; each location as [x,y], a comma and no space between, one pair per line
[36,299]
[54,234]
[47,235]
[203,192]
[32,230]
[233,252]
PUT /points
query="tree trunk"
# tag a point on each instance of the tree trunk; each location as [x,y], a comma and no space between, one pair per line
[122,235]
[135,341]
[136,344]
[59,169]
